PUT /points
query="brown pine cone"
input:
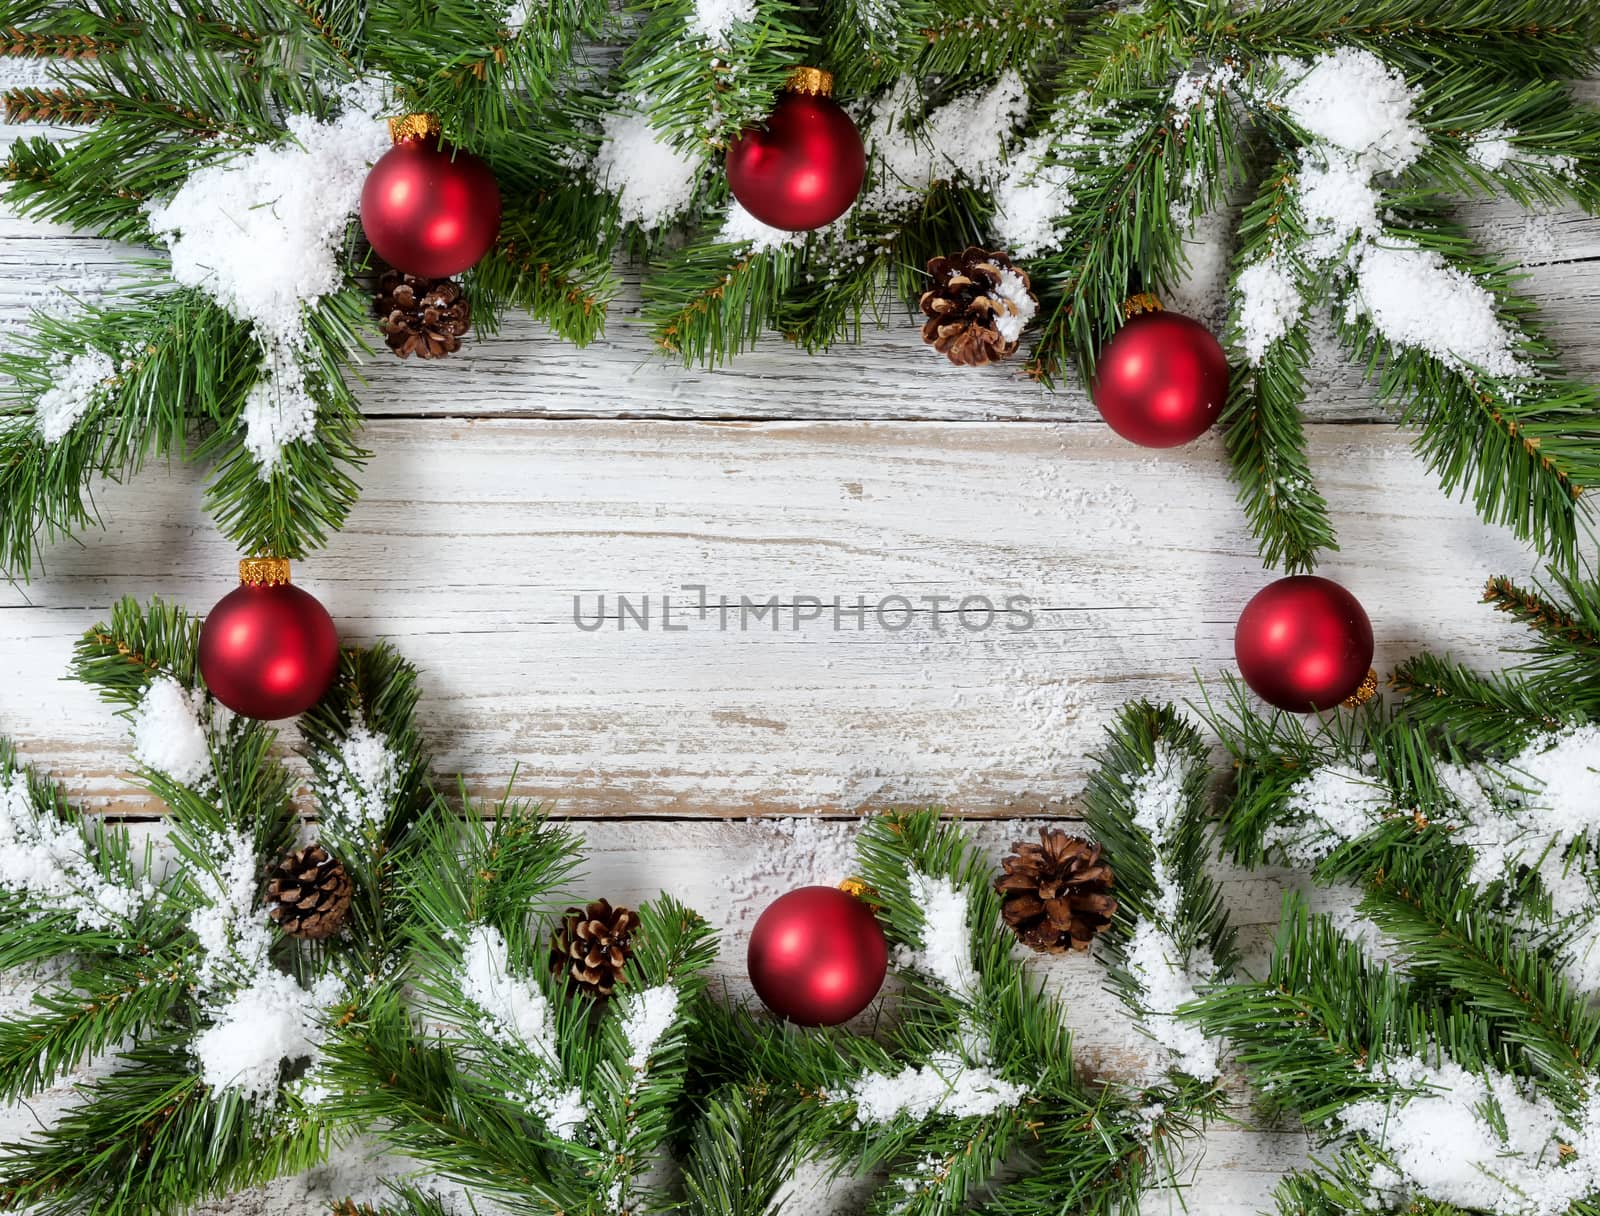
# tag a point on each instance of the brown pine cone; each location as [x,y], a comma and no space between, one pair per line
[309,893]
[592,946]
[1056,893]
[419,316]
[977,307]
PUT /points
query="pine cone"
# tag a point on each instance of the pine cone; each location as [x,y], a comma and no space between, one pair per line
[309,893]
[1056,893]
[419,316]
[977,307]
[592,946]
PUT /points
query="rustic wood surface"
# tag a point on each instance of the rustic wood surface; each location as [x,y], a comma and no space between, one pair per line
[522,474]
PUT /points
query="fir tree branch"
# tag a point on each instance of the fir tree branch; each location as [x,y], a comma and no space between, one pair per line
[150,1140]
[294,506]
[698,93]
[1521,448]
[1512,992]
[175,357]
[140,643]
[1262,426]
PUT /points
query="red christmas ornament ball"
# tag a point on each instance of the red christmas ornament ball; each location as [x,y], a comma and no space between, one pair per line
[1303,643]
[1162,380]
[803,168]
[818,956]
[429,209]
[268,650]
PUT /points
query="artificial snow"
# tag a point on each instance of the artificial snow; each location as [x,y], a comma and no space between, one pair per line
[169,735]
[517,1010]
[1193,88]
[1325,809]
[649,1016]
[1353,101]
[516,1014]
[364,776]
[259,1027]
[1496,148]
[957,140]
[1167,984]
[46,860]
[1492,149]
[1484,1142]
[1014,288]
[278,410]
[1156,796]
[946,951]
[1338,203]
[233,933]
[76,385]
[1029,196]
[260,233]
[1416,299]
[654,182]
[742,228]
[947,1085]
[714,20]
[1270,305]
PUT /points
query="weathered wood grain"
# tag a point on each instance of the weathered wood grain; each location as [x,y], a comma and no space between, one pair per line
[474,538]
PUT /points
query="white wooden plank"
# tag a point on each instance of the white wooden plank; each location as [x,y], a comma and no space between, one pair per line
[473,538]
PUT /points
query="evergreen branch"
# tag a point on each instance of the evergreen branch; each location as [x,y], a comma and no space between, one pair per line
[32,44]
[1307,1032]
[372,782]
[70,107]
[1512,992]
[1480,714]
[120,999]
[296,504]
[1147,804]
[150,1140]
[550,262]
[1262,425]
[699,93]
[741,1153]
[174,357]
[713,301]
[1568,634]
[459,62]
[817,313]
[1131,210]
[1523,38]
[1526,449]
[140,643]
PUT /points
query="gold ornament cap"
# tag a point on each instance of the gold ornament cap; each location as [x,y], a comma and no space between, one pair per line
[1142,301]
[812,81]
[413,126]
[1368,690]
[264,571]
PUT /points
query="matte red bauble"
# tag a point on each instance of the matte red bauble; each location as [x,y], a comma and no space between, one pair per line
[1162,380]
[268,649]
[430,210]
[803,168]
[818,956]
[1304,643]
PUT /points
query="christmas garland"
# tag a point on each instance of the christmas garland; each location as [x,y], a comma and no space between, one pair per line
[257,999]
[1082,140]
